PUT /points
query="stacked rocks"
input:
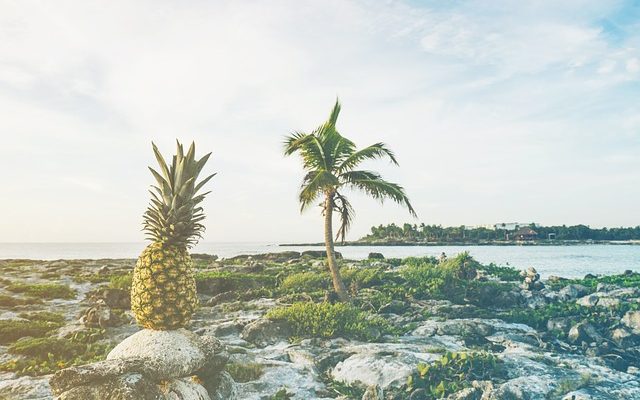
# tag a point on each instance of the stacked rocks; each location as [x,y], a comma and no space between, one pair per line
[531,279]
[151,364]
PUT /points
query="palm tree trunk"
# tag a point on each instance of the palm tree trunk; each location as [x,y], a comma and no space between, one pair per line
[338,285]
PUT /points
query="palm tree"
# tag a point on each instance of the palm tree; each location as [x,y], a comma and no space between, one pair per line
[330,161]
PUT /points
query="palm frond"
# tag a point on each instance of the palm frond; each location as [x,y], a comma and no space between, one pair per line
[314,184]
[372,184]
[346,211]
[375,151]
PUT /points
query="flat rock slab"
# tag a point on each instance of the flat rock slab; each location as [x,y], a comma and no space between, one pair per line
[174,354]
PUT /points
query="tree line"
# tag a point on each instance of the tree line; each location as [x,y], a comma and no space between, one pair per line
[438,233]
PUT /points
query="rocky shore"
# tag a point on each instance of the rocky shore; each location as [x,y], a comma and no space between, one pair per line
[268,329]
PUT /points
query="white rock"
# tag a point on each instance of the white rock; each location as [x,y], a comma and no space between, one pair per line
[185,389]
[175,353]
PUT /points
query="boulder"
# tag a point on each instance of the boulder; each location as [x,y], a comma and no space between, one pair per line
[559,324]
[175,353]
[100,316]
[622,337]
[632,320]
[608,302]
[590,300]
[117,298]
[584,332]
[264,332]
[125,387]
[572,292]
[375,256]
[465,328]
[100,372]
[319,254]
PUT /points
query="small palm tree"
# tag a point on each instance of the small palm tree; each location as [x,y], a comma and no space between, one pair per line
[330,161]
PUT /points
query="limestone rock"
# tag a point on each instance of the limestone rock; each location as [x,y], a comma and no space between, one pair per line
[588,301]
[373,392]
[100,316]
[572,292]
[264,332]
[125,387]
[175,353]
[632,320]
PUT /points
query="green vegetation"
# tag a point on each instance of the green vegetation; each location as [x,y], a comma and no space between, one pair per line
[43,316]
[12,330]
[12,301]
[330,161]
[43,290]
[122,281]
[624,280]
[346,390]
[219,282]
[457,234]
[453,372]
[41,356]
[244,372]
[281,394]
[327,320]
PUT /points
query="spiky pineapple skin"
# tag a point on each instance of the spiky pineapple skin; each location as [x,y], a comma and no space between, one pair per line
[163,288]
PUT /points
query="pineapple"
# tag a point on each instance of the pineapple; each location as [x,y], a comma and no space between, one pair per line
[163,289]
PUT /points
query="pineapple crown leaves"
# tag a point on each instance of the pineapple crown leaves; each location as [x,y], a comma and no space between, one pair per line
[173,216]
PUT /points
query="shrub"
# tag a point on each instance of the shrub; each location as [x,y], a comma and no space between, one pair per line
[244,372]
[508,274]
[363,277]
[309,281]
[453,372]
[121,282]
[43,290]
[327,320]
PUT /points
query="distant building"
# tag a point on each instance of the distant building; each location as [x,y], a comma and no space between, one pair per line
[525,233]
[512,226]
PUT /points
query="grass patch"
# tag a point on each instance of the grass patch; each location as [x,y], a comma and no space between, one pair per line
[43,316]
[11,301]
[12,330]
[325,320]
[41,356]
[504,273]
[43,290]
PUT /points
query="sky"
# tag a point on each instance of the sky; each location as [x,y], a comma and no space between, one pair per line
[498,111]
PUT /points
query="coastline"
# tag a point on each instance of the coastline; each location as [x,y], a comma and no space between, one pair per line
[477,243]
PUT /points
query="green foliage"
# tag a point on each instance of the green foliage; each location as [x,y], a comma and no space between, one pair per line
[218,282]
[43,290]
[453,372]
[309,281]
[281,394]
[12,330]
[121,281]
[346,390]
[435,233]
[41,356]
[363,277]
[245,372]
[624,280]
[325,320]
[504,273]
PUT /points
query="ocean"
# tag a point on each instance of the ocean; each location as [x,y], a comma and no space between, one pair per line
[566,261]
